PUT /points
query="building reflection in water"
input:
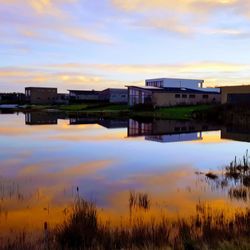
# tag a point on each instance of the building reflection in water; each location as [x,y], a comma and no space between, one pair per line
[152,130]
[40,118]
[169,130]
[240,133]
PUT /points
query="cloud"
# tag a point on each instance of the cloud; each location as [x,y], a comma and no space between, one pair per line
[47,21]
[188,17]
[100,76]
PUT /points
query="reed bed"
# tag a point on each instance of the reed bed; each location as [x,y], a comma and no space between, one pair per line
[206,229]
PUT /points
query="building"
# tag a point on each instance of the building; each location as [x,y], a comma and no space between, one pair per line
[170,96]
[174,83]
[41,95]
[164,92]
[235,94]
[114,95]
[62,98]
[83,95]
[12,98]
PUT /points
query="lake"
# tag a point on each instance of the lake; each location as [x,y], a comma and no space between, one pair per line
[48,159]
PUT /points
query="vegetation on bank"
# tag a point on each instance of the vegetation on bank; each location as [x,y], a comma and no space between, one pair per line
[238,114]
[123,110]
[235,178]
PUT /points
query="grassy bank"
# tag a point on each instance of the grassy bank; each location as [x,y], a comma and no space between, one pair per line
[122,110]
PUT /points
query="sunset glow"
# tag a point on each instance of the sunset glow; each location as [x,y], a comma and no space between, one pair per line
[91,44]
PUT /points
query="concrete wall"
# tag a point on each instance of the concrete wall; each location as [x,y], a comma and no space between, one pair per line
[233,90]
[161,99]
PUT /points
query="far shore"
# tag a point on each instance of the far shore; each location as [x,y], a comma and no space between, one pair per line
[116,110]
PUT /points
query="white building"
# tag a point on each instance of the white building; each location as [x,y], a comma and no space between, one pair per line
[179,83]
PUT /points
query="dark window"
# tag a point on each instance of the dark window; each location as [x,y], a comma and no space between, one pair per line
[184,96]
[205,96]
[191,96]
[176,129]
[177,96]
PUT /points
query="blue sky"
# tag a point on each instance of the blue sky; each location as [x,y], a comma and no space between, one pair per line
[94,44]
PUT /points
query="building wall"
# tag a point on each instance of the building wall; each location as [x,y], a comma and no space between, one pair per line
[176,83]
[139,96]
[161,99]
[84,96]
[114,95]
[41,95]
[225,91]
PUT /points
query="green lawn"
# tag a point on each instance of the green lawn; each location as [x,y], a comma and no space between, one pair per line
[178,113]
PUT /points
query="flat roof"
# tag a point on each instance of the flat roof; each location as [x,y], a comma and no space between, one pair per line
[179,79]
[145,87]
[114,89]
[175,90]
[85,91]
[40,88]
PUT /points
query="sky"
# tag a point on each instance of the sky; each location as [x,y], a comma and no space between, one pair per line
[82,44]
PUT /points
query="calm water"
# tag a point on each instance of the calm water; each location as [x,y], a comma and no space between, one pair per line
[45,157]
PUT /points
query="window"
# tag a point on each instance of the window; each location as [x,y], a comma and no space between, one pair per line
[205,96]
[184,96]
[177,96]
[191,96]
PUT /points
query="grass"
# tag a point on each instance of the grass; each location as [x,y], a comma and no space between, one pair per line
[177,113]
[235,176]
[114,110]
[206,229]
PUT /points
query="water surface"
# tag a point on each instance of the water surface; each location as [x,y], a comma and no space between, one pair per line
[47,160]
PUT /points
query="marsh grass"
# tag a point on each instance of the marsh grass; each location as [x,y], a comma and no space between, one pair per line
[139,200]
[239,168]
[206,229]
[235,177]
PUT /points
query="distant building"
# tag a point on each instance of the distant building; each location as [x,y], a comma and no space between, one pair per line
[164,92]
[41,95]
[235,94]
[170,96]
[62,98]
[12,98]
[83,95]
[114,95]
